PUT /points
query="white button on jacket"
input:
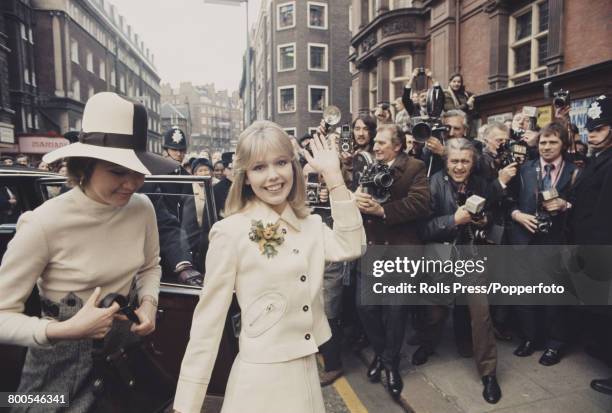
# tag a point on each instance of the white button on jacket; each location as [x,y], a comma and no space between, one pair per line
[281,297]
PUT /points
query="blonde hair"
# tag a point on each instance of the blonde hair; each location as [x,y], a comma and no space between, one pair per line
[254,143]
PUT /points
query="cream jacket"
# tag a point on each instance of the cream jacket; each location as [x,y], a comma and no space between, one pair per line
[281,297]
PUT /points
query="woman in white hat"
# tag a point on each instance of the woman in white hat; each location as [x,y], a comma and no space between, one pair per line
[98,238]
[271,251]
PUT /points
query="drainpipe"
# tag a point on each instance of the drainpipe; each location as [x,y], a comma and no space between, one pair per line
[457,37]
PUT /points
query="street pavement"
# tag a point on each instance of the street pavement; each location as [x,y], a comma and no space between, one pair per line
[448,383]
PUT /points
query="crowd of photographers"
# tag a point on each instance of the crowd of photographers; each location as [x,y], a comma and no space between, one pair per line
[420,179]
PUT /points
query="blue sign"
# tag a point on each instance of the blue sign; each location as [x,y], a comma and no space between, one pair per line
[578,115]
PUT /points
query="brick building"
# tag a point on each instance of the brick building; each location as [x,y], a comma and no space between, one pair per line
[84,47]
[505,50]
[175,116]
[18,87]
[215,116]
[298,63]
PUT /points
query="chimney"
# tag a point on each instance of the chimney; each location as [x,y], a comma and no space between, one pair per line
[112,13]
[142,46]
[136,39]
[121,23]
[129,32]
[147,53]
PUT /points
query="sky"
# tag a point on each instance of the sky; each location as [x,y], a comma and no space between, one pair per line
[191,40]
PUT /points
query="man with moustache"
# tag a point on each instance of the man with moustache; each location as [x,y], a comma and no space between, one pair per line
[452,223]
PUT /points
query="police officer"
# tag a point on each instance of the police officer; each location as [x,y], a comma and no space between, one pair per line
[591,220]
[176,217]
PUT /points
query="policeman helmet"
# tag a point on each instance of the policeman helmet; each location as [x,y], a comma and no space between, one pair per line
[174,138]
[599,113]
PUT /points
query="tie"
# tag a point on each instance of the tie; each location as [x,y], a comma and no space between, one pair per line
[547,181]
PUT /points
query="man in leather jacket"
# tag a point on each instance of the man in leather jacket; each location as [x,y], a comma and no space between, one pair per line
[452,223]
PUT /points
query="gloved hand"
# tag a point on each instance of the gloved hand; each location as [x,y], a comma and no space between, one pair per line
[192,277]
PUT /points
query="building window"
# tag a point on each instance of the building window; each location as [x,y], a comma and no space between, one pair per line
[400,4]
[26,76]
[400,68]
[290,131]
[317,98]
[30,122]
[317,57]
[33,78]
[286,99]
[90,62]
[373,6]
[102,70]
[373,86]
[76,90]
[113,78]
[90,92]
[528,47]
[121,84]
[74,51]
[30,36]
[317,15]
[24,34]
[286,57]
[285,16]
[36,124]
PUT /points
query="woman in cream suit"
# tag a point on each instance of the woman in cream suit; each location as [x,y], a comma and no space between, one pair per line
[272,252]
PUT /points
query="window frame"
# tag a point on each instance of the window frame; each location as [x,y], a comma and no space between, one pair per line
[325,15]
[279,60]
[89,63]
[279,101]
[294,130]
[278,8]
[74,51]
[394,79]
[533,39]
[326,59]
[392,5]
[310,88]
[373,88]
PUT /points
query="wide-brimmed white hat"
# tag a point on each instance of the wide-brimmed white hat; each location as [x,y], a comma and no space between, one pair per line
[115,130]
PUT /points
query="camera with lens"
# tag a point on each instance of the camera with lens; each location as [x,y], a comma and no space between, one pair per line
[431,125]
[420,71]
[345,141]
[544,222]
[561,98]
[543,217]
[374,177]
[512,151]
[517,134]
[313,189]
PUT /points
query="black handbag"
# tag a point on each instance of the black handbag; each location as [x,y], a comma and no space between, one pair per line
[128,378]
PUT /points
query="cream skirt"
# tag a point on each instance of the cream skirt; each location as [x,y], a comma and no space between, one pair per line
[290,386]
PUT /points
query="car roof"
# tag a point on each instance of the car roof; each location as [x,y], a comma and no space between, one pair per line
[25,171]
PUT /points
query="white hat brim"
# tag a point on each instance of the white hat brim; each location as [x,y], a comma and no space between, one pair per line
[124,157]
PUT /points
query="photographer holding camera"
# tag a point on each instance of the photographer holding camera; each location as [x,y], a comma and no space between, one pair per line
[539,218]
[452,222]
[416,105]
[392,223]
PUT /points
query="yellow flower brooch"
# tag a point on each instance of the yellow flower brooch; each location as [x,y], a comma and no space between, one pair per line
[267,237]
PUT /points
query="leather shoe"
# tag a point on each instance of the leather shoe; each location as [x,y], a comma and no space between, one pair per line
[525,349]
[191,277]
[602,385]
[374,369]
[421,355]
[491,392]
[394,382]
[328,377]
[550,357]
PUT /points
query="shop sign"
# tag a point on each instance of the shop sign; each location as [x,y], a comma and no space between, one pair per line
[501,118]
[7,133]
[40,144]
[578,115]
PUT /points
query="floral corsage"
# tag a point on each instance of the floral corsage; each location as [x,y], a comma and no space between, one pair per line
[267,237]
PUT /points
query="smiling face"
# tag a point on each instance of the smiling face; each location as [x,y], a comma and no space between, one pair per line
[112,184]
[271,179]
[384,148]
[456,83]
[459,164]
[550,147]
